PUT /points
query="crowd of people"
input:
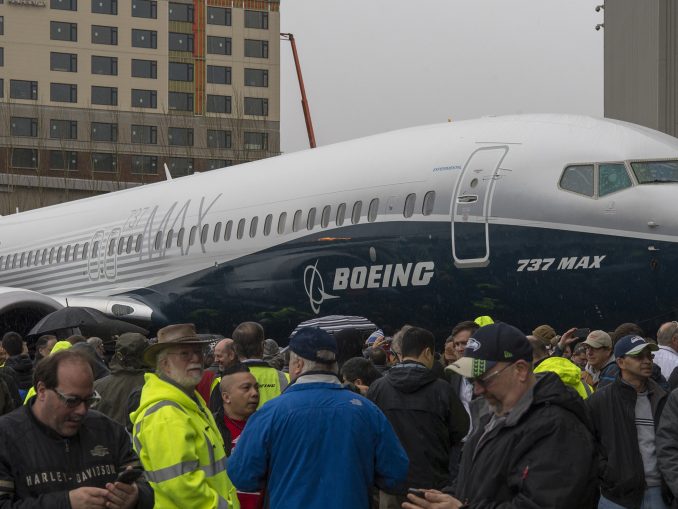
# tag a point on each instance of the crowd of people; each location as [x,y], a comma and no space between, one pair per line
[349,420]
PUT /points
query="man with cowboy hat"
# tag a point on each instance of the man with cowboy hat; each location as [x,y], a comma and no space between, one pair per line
[174,433]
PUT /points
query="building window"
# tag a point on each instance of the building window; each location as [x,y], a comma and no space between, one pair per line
[219,74]
[61,31]
[181,12]
[63,160]
[66,62]
[145,9]
[145,134]
[104,35]
[2,88]
[64,5]
[144,38]
[256,106]
[24,127]
[63,129]
[21,89]
[179,41]
[145,165]
[144,68]
[179,71]
[218,45]
[180,136]
[179,166]
[2,57]
[218,138]
[2,25]
[255,141]
[107,96]
[256,48]
[219,16]
[104,162]
[256,77]
[63,93]
[144,98]
[218,103]
[104,131]
[105,7]
[105,65]
[180,101]
[25,158]
[256,19]
[215,164]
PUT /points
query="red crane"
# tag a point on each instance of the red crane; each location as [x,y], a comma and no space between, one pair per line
[304,101]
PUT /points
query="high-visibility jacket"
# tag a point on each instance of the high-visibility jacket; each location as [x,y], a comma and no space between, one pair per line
[181,449]
[271,381]
[568,372]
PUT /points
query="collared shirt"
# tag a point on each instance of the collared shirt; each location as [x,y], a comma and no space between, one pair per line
[667,360]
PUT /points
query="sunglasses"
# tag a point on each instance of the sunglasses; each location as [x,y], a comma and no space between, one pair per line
[484,381]
[75,401]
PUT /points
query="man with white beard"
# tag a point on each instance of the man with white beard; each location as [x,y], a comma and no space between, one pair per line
[174,433]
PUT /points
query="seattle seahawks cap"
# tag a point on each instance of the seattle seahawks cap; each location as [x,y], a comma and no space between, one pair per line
[499,342]
[632,345]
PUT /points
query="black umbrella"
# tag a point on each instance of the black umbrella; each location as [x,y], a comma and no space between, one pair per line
[90,321]
[336,323]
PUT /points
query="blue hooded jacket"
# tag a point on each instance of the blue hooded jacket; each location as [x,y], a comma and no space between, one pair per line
[318,445]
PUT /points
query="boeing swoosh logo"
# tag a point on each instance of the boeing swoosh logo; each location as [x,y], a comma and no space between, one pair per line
[315,287]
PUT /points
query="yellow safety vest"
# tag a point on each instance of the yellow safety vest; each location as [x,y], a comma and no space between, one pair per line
[271,381]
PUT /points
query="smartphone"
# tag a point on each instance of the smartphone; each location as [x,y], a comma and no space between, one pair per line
[582,333]
[129,476]
[417,493]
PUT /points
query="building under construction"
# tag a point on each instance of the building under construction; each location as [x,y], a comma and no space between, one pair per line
[98,95]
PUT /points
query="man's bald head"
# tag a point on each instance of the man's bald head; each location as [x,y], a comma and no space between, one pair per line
[224,354]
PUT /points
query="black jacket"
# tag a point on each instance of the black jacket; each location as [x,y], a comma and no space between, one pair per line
[541,456]
[23,367]
[38,467]
[613,410]
[9,377]
[426,415]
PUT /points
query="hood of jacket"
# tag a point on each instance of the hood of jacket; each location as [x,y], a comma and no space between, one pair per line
[410,376]
[156,389]
[569,373]
[21,363]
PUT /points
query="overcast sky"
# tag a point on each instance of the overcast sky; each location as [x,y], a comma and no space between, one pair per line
[372,66]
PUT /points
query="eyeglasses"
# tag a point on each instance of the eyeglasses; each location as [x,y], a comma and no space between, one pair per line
[187,355]
[75,401]
[483,381]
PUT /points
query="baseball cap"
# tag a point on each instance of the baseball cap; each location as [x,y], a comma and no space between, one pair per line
[598,339]
[632,345]
[310,340]
[499,342]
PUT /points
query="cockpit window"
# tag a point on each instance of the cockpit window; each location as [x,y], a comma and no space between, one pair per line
[653,172]
[612,177]
[578,179]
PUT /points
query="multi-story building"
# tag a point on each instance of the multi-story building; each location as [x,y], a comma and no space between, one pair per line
[96,95]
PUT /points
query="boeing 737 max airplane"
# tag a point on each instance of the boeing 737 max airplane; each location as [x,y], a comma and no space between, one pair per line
[529,219]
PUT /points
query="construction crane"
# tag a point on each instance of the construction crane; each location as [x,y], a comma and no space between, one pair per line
[304,101]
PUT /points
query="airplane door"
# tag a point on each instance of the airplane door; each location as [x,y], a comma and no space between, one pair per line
[471,206]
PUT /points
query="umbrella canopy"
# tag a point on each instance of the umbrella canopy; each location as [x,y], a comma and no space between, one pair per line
[336,323]
[90,321]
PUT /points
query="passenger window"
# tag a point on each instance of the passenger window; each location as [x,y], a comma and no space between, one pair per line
[85,250]
[203,234]
[372,211]
[95,249]
[341,214]
[267,225]
[409,205]
[9,258]
[612,177]
[111,247]
[241,228]
[121,246]
[296,223]
[281,223]
[158,241]
[217,232]
[429,200]
[76,249]
[170,237]
[128,249]
[357,209]
[67,253]
[22,259]
[51,257]
[14,261]
[325,216]
[192,234]
[44,258]
[58,255]
[578,179]
[227,230]
[310,221]
[1,260]
[180,237]
[29,258]
[253,226]
[137,245]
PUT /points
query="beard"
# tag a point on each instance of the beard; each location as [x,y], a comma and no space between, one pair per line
[185,378]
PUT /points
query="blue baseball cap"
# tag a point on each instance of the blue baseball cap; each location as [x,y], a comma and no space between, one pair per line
[310,340]
[632,345]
